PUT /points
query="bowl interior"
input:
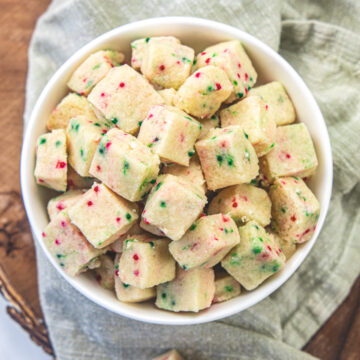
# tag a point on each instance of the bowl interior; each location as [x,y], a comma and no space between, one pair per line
[197,33]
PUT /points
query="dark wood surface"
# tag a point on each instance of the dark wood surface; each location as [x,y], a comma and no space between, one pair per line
[339,338]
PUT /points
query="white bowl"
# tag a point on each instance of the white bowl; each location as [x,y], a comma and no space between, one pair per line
[197,33]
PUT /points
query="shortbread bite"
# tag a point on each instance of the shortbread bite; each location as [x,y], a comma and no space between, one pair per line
[206,243]
[208,124]
[71,105]
[105,272]
[118,245]
[287,247]
[62,202]
[138,48]
[167,64]
[146,262]
[94,69]
[203,92]
[293,154]
[102,216]
[170,133]
[191,173]
[127,293]
[231,57]
[173,205]
[227,158]
[295,210]
[83,137]
[51,160]
[75,181]
[280,107]
[191,290]
[252,115]
[125,165]
[256,258]
[168,96]
[170,355]
[226,288]
[124,97]
[69,247]
[243,203]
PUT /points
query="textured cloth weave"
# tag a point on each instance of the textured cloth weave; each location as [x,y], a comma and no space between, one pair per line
[321,41]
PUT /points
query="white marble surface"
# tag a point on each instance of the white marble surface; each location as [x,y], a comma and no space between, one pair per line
[15,343]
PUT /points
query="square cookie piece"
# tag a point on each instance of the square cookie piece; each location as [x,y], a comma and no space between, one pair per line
[191,290]
[207,241]
[166,63]
[83,137]
[203,92]
[295,210]
[226,288]
[173,205]
[69,247]
[71,105]
[146,262]
[125,165]
[280,107]
[51,160]
[227,158]
[252,115]
[75,181]
[191,173]
[293,154]
[94,69]
[170,355]
[243,203]
[170,133]
[127,293]
[102,216]
[231,57]
[62,202]
[256,258]
[104,274]
[124,97]
[138,48]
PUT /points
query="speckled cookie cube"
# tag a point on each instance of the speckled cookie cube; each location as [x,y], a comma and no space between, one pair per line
[166,63]
[226,288]
[146,262]
[127,293]
[295,209]
[63,201]
[69,247]
[83,137]
[168,96]
[102,216]
[208,124]
[227,158]
[191,173]
[287,247]
[124,97]
[280,107]
[191,290]
[231,57]
[170,355]
[243,203]
[170,133]
[293,154]
[173,205]
[104,274]
[51,160]
[256,258]
[94,69]
[203,92]
[75,181]
[207,241]
[252,115]
[125,164]
[138,48]
[71,105]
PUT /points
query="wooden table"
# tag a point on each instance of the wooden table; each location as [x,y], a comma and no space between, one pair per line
[339,338]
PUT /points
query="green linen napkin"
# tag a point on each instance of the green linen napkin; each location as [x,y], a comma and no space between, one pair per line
[321,40]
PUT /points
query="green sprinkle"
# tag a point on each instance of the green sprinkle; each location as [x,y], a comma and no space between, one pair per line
[62,264]
[283,209]
[96,66]
[213,138]
[151,243]
[228,288]
[74,124]
[89,84]
[247,155]
[163,295]
[214,117]
[117,267]
[42,141]
[125,285]
[147,39]
[153,181]
[158,186]
[102,149]
[253,182]
[306,213]
[194,62]
[272,145]
[235,259]
[97,124]
[184,267]
[128,216]
[235,82]
[192,227]
[261,239]
[184,59]
[162,204]
[275,268]
[126,167]
[213,55]
[191,153]
[257,249]
[246,135]
[58,143]
[226,231]
[99,243]
[82,153]
[256,227]
[114,120]
[220,159]
[140,123]
[210,88]
[230,160]
[240,95]
[251,79]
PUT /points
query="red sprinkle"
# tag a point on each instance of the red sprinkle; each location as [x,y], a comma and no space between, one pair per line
[150,116]
[215,238]
[60,164]
[246,90]
[293,218]
[239,65]
[288,156]
[202,215]
[182,137]
[225,219]
[221,229]
[136,272]
[57,242]
[136,257]
[266,106]
[197,74]
[43,234]
[121,84]
[162,67]
[116,272]
[207,61]
[245,198]
[60,206]
[96,188]
[146,221]
[118,219]
[235,205]
[178,62]
[269,247]
[223,144]
[203,53]
[98,168]
[63,223]
[89,203]
[238,75]
[246,76]
[282,182]
[102,94]
[108,144]
[218,86]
